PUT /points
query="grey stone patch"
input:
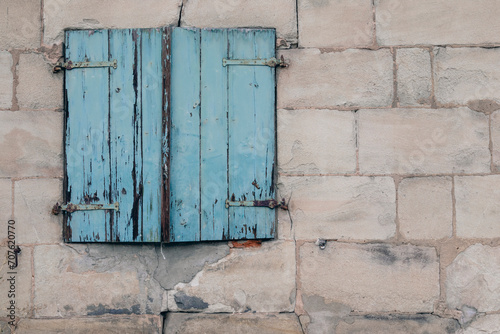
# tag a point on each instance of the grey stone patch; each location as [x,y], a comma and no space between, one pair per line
[183,262]
[185,302]
[102,309]
[4,327]
[469,314]
[385,254]
[323,316]
[484,106]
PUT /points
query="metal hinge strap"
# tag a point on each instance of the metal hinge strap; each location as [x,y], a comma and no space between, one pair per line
[268,203]
[271,62]
[69,65]
[70,207]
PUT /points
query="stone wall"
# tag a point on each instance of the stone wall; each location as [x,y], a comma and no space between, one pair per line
[388,149]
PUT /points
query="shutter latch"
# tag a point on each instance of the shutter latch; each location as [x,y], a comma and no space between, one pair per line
[70,207]
[69,65]
[271,62]
[268,203]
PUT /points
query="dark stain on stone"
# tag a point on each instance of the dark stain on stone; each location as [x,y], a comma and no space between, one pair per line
[389,255]
[384,254]
[68,307]
[185,302]
[484,106]
[101,310]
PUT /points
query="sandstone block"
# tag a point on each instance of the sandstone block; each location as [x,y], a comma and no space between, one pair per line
[31,143]
[495,137]
[414,77]
[425,208]
[94,14]
[437,22]
[316,141]
[337,207]
[6,80]
[485,324]
[34,199]
[21,287]
[96,280]
[5,204]
[373,277]
[336,23]
[114,325]
[240,13]
[183,323]
[38,87]
[423,141]
[477,199]
[249,279]
[336,79]
[20,25]
[460,78]
[472,279]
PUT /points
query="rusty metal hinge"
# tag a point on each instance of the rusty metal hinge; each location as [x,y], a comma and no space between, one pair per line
[69,65]
[268,203]
[271,62]
[70,207]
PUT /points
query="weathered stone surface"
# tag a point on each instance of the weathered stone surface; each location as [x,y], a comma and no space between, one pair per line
[249,279]
[478,213]
[5,205]
[347,79]
[240,13]
[22,280]
[495,137]
[337,207]
[114,325]
[371,278]
[34,199]
[460,78]
[183,261]
[336,23]
[96,280]
[322,316]
[425,207]
[472,279]
[423,141]
[4,327]
[486,324]
[38,87]
[20,25]
[316,141]
[398,324]
[437,22]
[31,143]
[94,14]
[414,77]
[6,80]
[193,323]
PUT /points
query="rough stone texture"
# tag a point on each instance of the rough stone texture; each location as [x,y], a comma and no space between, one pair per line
[114,325]
[478,213]
[495,137]
[472,279]
[183,261]
[39,87]
[22,280]
[249,279]
[402,324]
[423,141]
[4,327]
[5,206]
[337,207]
[240,13]
[96,280]
[488,324]
[437,22]
[414,77]
[194,323]
[6,79]
[316,141]
[34,199]
[371,278]
[335,23]
[95,14]
[425,208]
[20,25]
[31,143]
[346,79]
[460,78]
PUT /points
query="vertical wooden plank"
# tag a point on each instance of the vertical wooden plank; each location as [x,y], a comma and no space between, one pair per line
[87,137]
[151,91]
[251,133]
[214,135]
[185,136]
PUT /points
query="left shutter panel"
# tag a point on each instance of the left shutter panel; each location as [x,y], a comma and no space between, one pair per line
[113,135]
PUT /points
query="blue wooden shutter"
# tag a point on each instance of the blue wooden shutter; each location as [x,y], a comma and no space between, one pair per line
[222,138]
[114,135]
